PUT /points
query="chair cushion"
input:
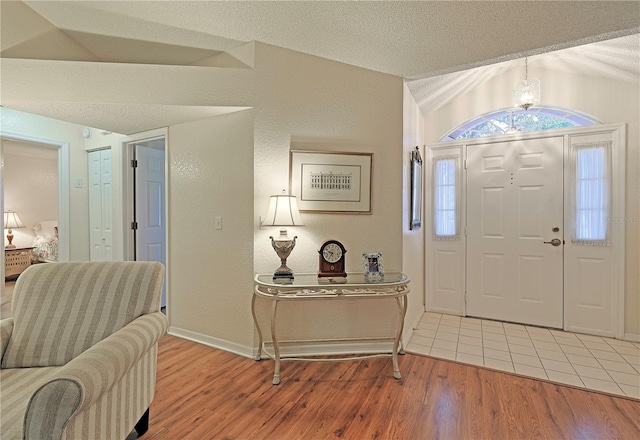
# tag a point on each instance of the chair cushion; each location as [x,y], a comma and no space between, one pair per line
[61,309]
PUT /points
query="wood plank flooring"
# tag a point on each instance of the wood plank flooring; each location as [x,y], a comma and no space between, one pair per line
[204,393]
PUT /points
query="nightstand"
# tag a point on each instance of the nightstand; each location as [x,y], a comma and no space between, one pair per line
[16,260]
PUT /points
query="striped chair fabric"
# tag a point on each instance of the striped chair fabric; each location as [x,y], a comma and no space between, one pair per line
[79,354]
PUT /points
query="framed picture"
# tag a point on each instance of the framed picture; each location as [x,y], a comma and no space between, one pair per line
[331,181]
[416,190]
[373,267]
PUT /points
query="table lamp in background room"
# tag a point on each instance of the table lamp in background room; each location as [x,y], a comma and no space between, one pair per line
[11,221]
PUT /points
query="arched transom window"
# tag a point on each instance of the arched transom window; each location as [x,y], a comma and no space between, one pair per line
[507,121]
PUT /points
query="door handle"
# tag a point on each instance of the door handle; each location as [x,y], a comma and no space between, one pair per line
[554,242]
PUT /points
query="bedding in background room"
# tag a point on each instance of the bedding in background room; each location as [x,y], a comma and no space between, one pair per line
[45,243]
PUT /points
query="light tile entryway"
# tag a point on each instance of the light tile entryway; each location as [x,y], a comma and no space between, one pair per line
[590,362]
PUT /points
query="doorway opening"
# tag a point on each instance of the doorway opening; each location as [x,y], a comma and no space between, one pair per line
[22,147]
[145,200]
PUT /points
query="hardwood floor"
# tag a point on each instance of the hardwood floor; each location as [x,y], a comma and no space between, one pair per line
[204,393]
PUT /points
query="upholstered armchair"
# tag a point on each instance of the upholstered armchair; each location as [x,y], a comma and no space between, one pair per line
[79,353]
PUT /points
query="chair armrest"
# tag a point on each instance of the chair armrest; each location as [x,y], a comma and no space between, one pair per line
[78,384]
[6,328]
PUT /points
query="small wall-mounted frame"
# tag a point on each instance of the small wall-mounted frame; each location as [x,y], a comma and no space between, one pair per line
[416,189]
[373,266]
[333,182]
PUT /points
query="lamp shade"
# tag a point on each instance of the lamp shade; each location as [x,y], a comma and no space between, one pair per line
[11,220]
[283,211]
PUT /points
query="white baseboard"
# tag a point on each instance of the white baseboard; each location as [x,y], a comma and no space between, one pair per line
[446,311]
[212,342]
[633,337]
[589,331]
[293,348]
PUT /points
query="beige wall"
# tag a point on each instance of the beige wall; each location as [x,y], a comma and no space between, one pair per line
[210,164]
[306,102]
[297,101]
[609,101]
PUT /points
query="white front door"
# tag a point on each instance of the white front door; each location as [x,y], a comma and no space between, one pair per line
[514,206]
[150,207]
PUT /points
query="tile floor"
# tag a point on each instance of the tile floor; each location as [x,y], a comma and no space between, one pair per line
[591,362]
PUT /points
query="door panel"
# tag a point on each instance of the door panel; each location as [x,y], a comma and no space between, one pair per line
[447,254]
[492,212]
[530,271]
[595,273]
[590,302]
[150,203]
[514,200]
[100,205]
[150,206]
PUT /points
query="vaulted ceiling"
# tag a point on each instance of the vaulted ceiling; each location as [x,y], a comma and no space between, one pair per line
[429,43]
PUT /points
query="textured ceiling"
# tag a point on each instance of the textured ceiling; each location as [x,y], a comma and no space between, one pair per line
[617,59]
[409,39]
[418,40]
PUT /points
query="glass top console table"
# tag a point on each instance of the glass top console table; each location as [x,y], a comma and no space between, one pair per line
[308,287]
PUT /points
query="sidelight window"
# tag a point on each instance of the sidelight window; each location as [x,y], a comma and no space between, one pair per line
[446,197]
[591,193]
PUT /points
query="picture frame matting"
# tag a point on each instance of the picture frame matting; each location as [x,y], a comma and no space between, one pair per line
[331,182]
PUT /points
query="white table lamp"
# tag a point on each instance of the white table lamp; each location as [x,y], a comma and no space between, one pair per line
[283,211]
[11,220]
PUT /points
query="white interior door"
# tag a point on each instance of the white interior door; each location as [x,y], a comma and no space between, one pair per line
[514,209]
[150,206]
[100,206]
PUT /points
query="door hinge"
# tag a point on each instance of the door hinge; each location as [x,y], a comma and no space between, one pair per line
[134,226]
[134,163]
[465,231]
[465,164]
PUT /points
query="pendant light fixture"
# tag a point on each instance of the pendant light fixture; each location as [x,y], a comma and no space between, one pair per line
[527,92]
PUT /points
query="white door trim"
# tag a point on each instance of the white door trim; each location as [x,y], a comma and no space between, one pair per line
[127,186]
[618,132]
[445,289]
[127,146]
